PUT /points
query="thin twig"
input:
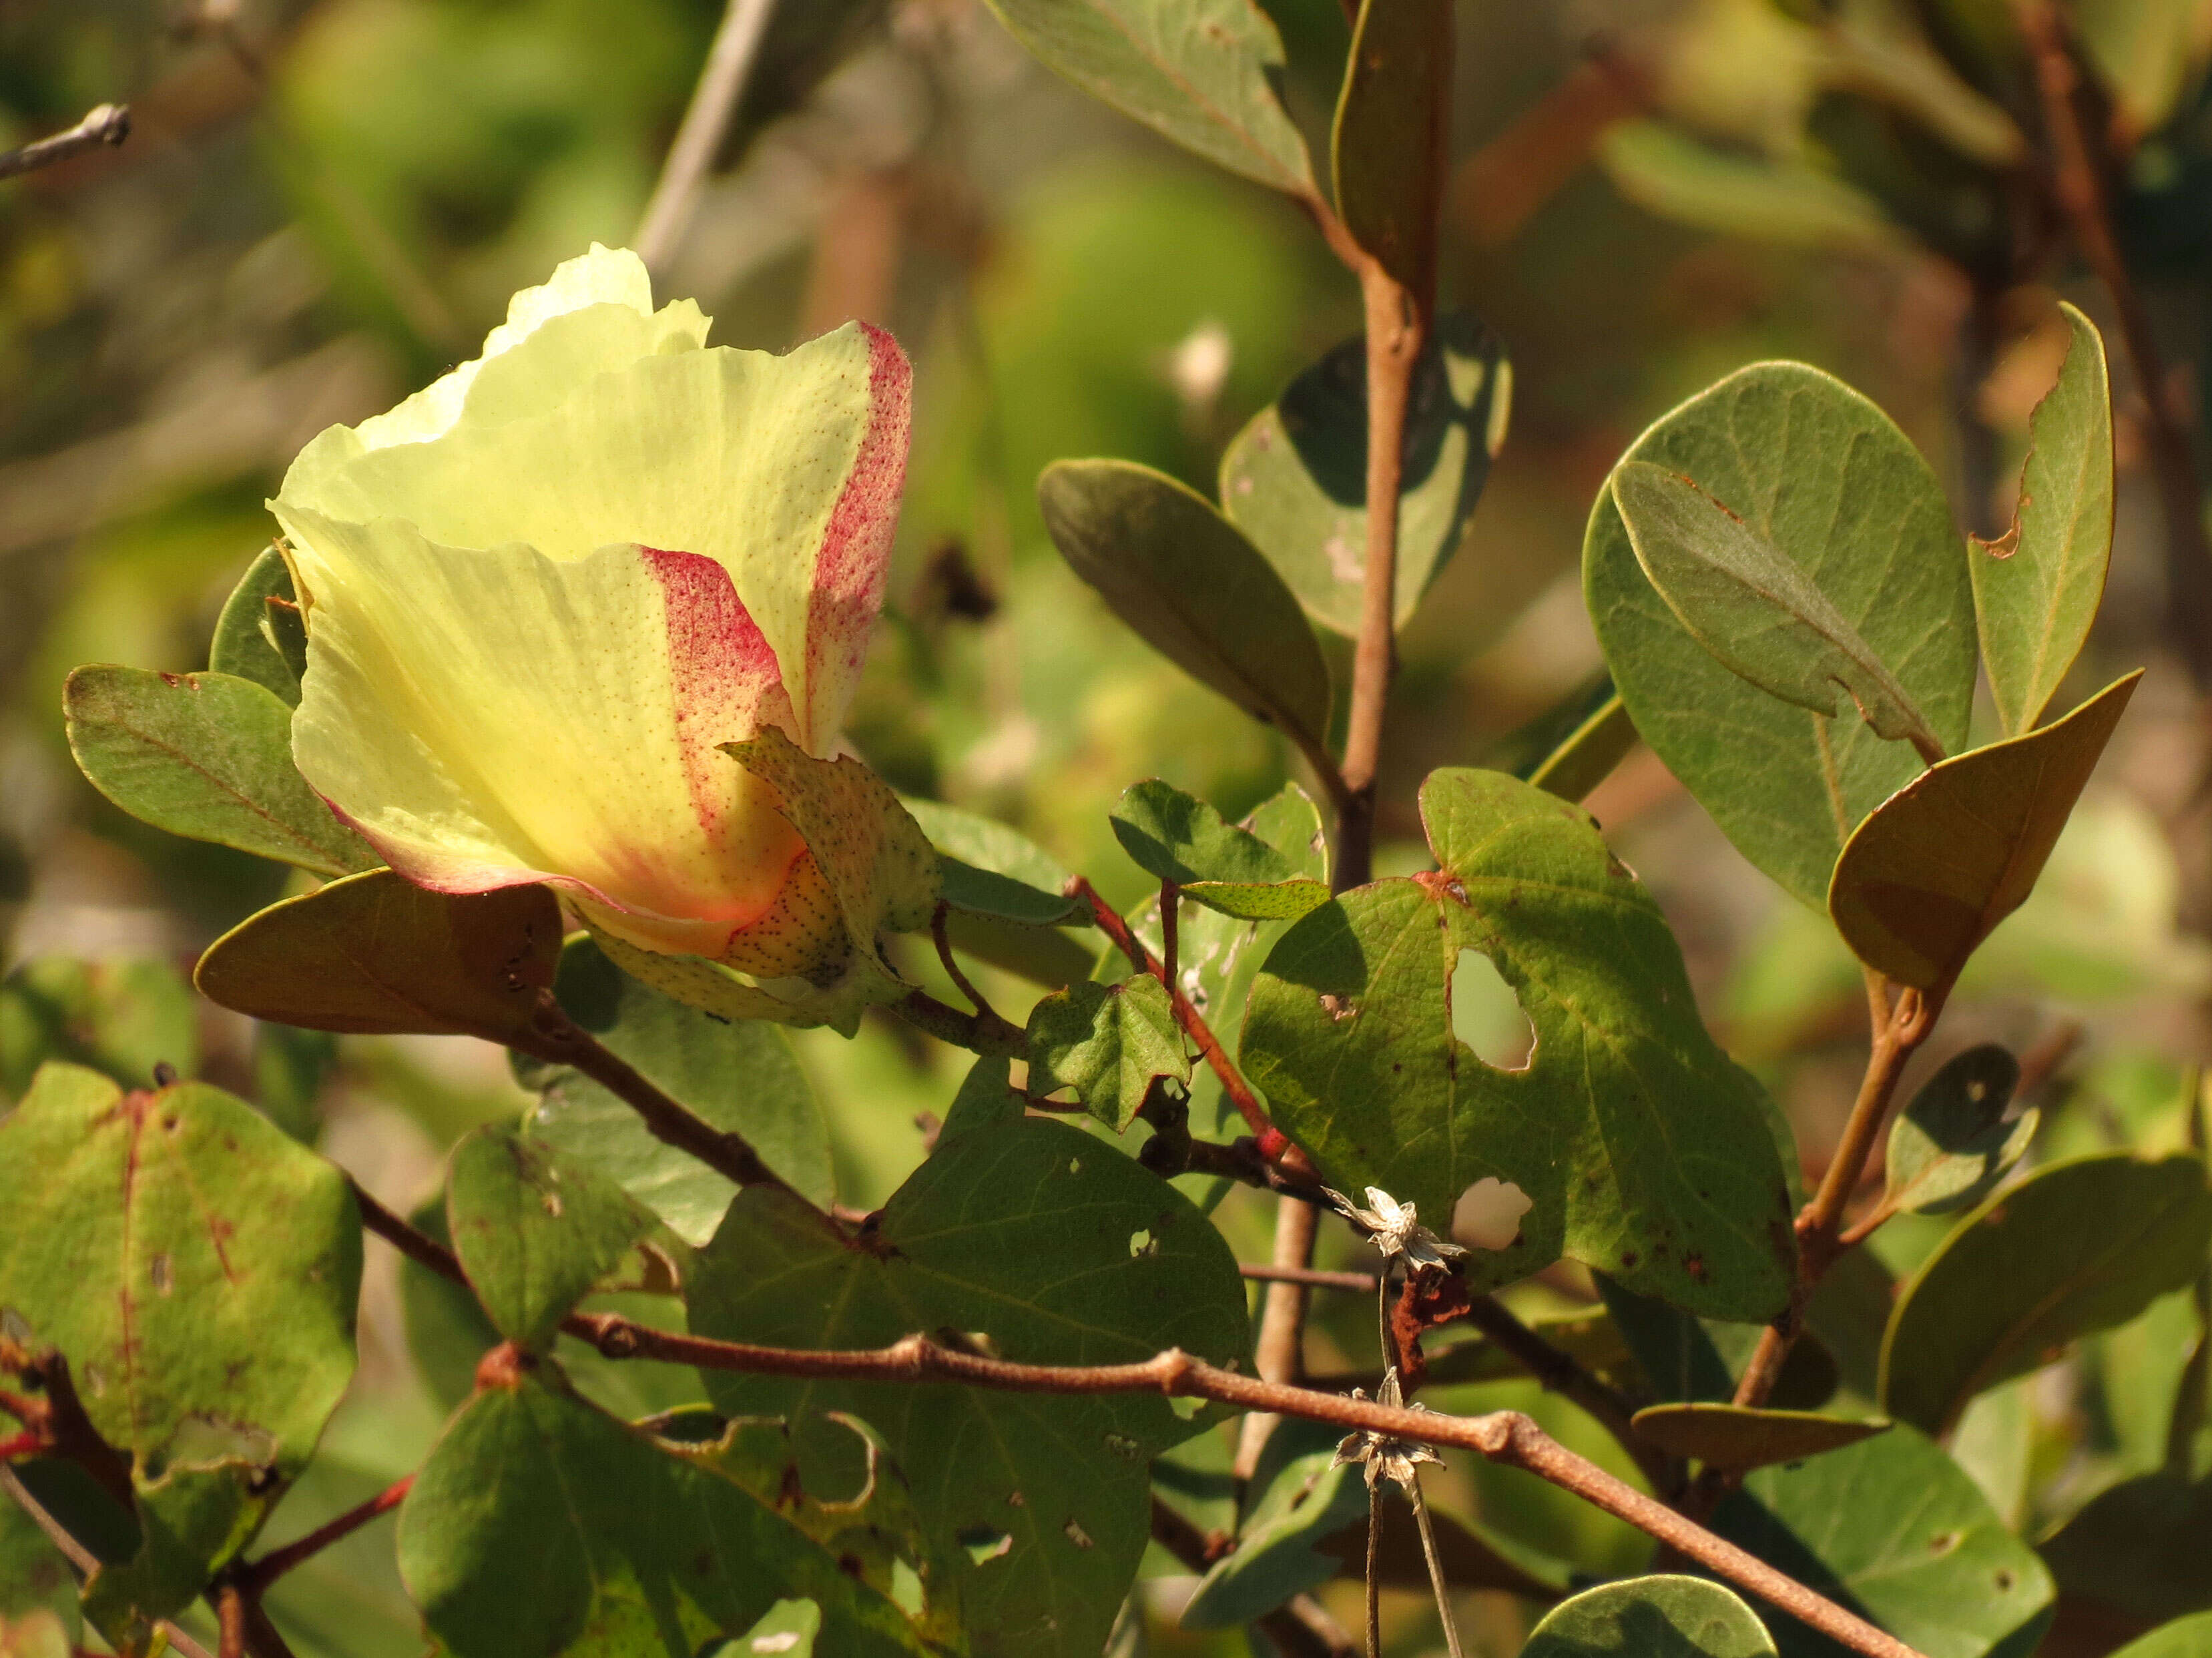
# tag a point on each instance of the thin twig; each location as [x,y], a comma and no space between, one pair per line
[257,1577]
[1273,1141]
[1374,1569]
[951,966]
[1312,1278]
[83,1559]
[109,125]
[983,1032]
[1435,1568]
[1171,931]
[230,1621]
[706,123]
[2077,187]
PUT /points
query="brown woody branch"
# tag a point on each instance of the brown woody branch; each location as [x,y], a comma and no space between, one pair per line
[1273,1143]
[981,1032]
[706,123]
[108,126]
[257,1577]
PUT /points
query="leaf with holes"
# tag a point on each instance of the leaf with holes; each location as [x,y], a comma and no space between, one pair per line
[1200,72]
[1393,135]
[1826,479]
[1643,1150]
[1934,868]
[1040,1244]
[1895,1528]
[260,635]
[1107,1043]
[376,954]
[1756,612]
[1953,1142]
[741,1077]
[2037,588]
[208,757]
[1736,1439]
[1663,1617]
[1295,479]
[534,1230]
[1186,582]
[543,1525]
[2077,1247]
[198,1270]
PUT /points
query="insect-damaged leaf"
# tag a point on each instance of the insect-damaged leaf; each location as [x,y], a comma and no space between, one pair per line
[198,1270]
[1756,612]
[1644,1150]
[1037,1240]
[2037,588]
[1933,870]
[1828,480]
[376,953]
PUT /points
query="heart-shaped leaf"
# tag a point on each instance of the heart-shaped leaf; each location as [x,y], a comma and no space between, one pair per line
[376,954]
[1933,869]
[1189,583]
[1826,479]
[1032,1238]
[1197,71]
[534,1230]
[1643,1150]
[1953,1142]
[1661,1617]
[1108,1043]
[208,757]
[2037,588]
[1295,479]
[260,635]
[2074,1249]
[199,1269]
[1756,612]
[1391,145]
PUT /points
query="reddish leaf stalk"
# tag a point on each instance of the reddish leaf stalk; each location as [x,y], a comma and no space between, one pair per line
[270,1567]
[951,966]
[1273,1141]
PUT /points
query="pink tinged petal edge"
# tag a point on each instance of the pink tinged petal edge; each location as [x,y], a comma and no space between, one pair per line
[847,588]
[722,670]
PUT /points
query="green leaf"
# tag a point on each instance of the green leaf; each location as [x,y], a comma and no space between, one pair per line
[1678,1358]
[1661,1617]
[1042,955]
[198,1270]
[2138,1549]
[788,1627]
[447,1333]
[991,868]
[1174,836]
[1277,901]
[2074,1249]
[1643,1150]
[289,1068]
[1586,756]
[741,1077]
[376,954]
[1668,171]
[120,1017]
[1758,613]
[1825,479]
[1953,1142]
[260,635]
[2037,588]
[542,1525]
[38,1616]
[1391,146]
[1295,479]
[1896,1528]
[1050,1247]
[2184,1637]
[1933,869]
[208,757]
[1738,1439]
[878,867]
[1186,582]
[1200,72]
[1107,1042]
[534,1230]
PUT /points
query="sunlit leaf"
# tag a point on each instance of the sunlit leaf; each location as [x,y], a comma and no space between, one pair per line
[1653,1617]
[1108,1043]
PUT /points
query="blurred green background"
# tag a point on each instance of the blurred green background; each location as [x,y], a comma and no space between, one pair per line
[325,203]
